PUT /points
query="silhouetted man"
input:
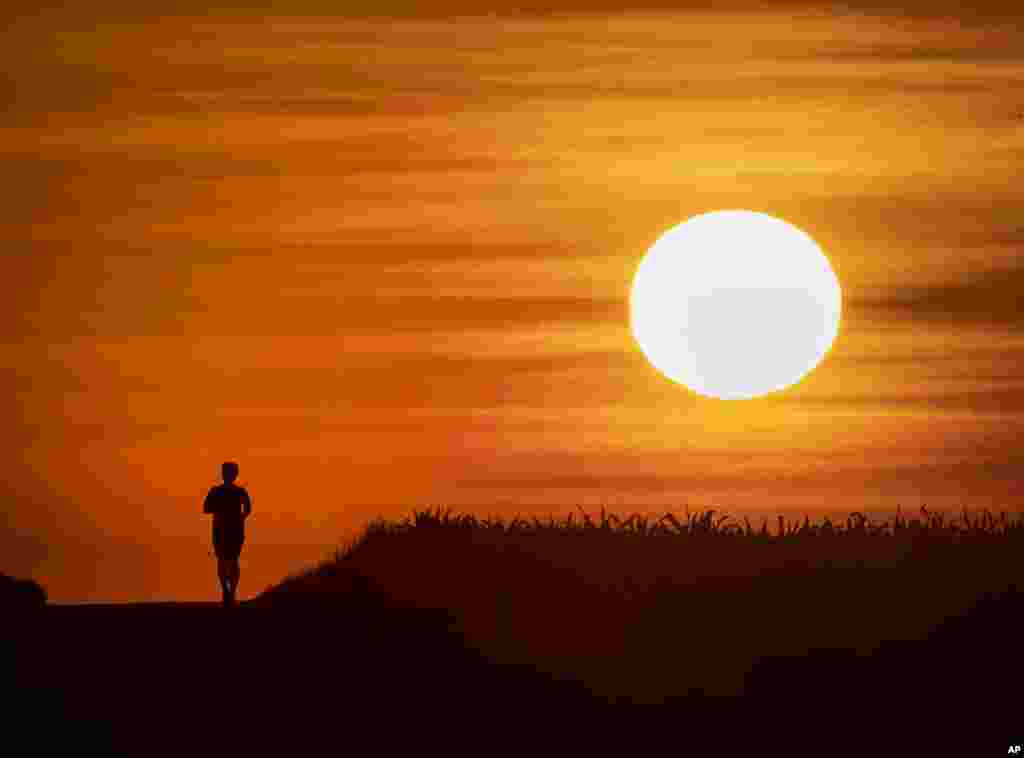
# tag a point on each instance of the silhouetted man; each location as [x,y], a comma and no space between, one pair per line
[230,506]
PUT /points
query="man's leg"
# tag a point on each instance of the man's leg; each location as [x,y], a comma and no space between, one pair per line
[224,574]
[235,574]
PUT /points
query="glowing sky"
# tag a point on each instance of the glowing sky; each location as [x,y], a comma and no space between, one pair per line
[384,262]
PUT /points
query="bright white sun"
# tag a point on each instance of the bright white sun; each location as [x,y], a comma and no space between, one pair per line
[735,304]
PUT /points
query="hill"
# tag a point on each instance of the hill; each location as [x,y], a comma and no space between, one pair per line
[647,611]
[20,594]
[454,633]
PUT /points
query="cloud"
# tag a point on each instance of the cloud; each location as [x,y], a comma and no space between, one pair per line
[522,8]
[1004,400]
[977,298]
[238,314]
[981,473]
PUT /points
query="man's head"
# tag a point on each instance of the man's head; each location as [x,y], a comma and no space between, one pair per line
[229,471]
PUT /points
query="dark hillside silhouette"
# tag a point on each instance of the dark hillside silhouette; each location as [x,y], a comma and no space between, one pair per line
[651,610]
[20,594]
[460,632]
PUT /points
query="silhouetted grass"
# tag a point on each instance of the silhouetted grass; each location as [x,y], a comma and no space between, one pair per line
[652,607]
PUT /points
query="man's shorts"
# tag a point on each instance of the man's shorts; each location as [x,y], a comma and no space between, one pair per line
[227,541]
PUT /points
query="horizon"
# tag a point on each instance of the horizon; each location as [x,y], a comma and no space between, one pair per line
[790,516]
[384,262]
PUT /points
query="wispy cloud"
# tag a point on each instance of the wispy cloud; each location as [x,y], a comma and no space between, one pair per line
[977,297]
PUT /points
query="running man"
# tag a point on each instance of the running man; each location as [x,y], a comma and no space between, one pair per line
[230,506]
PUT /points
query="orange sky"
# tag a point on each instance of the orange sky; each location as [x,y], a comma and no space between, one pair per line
[384,262]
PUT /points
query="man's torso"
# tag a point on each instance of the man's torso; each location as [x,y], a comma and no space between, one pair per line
[226,501]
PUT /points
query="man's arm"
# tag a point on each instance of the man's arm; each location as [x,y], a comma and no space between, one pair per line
[208,502]
[246,504]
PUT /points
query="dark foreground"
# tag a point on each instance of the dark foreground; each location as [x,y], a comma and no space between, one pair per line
[194,679]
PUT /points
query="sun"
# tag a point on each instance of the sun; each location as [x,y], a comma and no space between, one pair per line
[735,304]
